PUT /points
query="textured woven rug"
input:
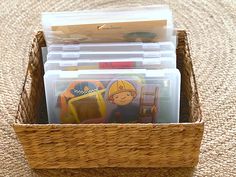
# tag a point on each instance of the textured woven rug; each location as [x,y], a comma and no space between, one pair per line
[211,25]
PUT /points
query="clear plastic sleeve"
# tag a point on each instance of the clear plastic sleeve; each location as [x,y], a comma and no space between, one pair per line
[112,47]
[130,63]
[113,96]
[57,55]
[146,24]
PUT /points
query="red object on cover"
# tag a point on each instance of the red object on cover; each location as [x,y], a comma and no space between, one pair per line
[116,65]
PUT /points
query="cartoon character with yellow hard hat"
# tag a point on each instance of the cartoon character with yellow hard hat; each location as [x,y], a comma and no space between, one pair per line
[122,93]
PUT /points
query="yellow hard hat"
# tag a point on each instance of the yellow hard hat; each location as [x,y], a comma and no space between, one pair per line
[120,86]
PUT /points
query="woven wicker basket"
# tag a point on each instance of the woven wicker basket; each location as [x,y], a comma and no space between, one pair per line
[108,145]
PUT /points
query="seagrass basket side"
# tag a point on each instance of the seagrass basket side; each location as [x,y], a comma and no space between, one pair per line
[190,110]
[108,145]
[111,145]
[32,103]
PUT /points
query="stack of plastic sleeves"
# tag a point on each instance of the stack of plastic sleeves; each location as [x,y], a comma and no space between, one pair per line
[111,66]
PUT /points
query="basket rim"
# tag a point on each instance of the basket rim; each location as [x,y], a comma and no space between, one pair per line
[112,124]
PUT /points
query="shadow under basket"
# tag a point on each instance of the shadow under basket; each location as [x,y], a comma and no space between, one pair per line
[108,145]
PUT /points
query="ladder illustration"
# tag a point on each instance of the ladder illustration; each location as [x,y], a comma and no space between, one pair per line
[148,109]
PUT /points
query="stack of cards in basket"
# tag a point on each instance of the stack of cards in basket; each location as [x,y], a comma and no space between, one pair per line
[111,66]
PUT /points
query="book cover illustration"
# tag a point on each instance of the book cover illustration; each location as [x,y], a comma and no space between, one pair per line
[117,101]
[137,31]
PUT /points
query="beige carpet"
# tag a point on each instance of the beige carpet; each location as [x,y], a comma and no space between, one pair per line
[212,25]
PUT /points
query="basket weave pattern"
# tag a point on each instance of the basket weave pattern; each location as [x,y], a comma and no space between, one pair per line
[108,145]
